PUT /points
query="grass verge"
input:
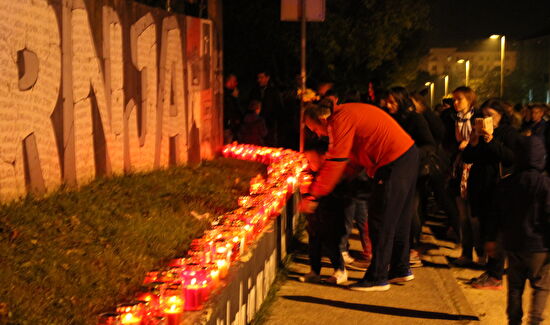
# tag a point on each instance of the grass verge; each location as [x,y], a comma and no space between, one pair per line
[69,256]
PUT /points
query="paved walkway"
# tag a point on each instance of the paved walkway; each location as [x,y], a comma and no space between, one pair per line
[434,297]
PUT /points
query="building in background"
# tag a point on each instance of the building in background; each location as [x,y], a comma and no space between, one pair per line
[484,68]
[534,67]
[441,61]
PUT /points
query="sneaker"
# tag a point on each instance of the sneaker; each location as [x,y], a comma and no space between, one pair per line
[485,281]
[405,277]
[370,286]
[358,265]
[338,277]
[347,259]
[414,259]
[311,277]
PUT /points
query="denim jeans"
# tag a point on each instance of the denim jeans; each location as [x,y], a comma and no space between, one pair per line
[534,267]
[356,213]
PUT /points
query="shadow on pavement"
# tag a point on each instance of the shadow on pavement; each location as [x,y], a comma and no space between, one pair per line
[395,311]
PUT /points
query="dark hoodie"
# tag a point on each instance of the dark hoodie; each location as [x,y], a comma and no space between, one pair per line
[253,130]
[522,201]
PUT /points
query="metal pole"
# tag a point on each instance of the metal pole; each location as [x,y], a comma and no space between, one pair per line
[467,72]
[502,48]
[303,74]
[432,91]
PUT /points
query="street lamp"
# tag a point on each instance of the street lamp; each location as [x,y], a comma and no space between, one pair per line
[502,48]
[432,90]
[467,68]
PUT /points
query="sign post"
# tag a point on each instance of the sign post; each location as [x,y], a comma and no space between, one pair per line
[304,11]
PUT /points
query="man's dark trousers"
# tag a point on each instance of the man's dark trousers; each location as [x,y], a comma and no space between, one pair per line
[390,215]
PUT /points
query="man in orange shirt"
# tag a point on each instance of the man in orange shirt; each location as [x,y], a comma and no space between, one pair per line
[365,135]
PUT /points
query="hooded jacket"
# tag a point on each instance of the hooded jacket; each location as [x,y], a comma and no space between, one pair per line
[253,130]
[522,201]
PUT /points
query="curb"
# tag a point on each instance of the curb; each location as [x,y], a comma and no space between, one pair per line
[449,284]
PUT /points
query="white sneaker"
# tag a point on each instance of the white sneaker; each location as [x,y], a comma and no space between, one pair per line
[338,277]
[311,277]
[347,259]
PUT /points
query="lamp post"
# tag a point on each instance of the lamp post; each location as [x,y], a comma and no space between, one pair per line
[432,90]
[502,51]
[303,20]
[467,68]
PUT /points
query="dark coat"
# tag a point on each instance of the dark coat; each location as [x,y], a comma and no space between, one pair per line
[449,143]
[417,127]
[491,162]
[253,129]
[232,113]
[436,125]
[521,208]
[272,104]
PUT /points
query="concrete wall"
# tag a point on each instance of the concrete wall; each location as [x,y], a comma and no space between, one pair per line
[94,88]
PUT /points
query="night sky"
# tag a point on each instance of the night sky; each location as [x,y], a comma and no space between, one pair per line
[456,21]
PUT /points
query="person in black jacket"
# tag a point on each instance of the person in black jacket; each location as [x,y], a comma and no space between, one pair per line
[492,157]
[434,122]
[401,108]
[272,107]
[521,212]
[232,113]
[436,177]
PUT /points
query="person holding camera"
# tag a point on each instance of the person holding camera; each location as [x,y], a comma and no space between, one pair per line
[491,153]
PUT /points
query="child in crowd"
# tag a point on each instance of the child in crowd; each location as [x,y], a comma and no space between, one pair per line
[253,129]
[522,213]
[326,228]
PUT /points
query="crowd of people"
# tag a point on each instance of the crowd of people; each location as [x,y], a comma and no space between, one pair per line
[377,165]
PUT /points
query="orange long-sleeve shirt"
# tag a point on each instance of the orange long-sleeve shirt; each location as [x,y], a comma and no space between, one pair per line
[364,134]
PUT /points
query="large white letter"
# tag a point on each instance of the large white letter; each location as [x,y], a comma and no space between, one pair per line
[171,99]
[87,75]
[144,56]
[30,37]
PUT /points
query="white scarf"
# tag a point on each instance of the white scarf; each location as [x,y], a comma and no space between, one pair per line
[463,126]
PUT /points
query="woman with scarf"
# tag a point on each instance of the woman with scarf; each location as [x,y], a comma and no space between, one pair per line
[464,100]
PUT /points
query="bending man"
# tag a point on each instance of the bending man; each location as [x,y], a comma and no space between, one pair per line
[365,135]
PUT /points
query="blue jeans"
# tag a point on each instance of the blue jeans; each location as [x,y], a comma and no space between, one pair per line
[356,213]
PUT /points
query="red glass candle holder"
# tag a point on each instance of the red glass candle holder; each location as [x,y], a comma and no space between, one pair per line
[150,296]
[130,319]
[109,319]
[152,276]
[197,285]
[177,262]
[223,249]
[172,304]
[132,313]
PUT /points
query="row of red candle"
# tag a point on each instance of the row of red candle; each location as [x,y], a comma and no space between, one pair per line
[189,281]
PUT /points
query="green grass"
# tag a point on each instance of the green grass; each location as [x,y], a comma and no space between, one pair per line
[69,256]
